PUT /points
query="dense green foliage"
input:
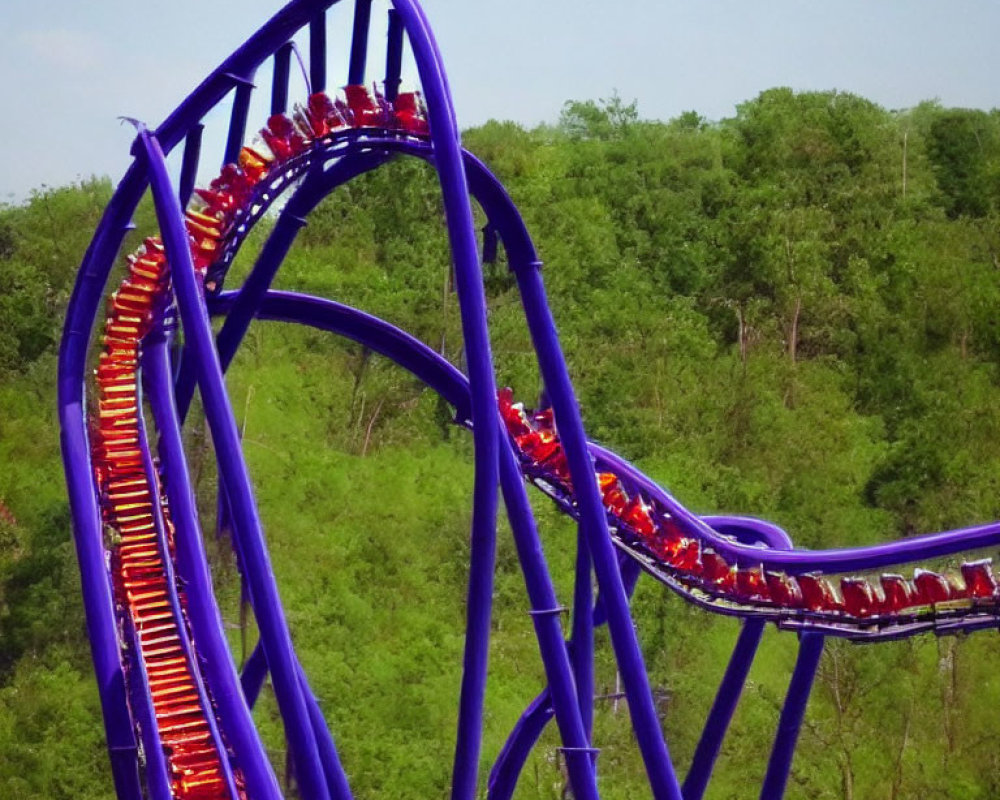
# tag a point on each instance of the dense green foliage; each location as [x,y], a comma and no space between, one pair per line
[790,313]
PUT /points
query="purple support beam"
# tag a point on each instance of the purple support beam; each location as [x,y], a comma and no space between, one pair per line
[645,722]
[102,628]
[189,163]
[253,675]
[442,376]
[723,708]
[329,759]
[183,636]
[517,748]
[86,298]
[155,773]
[545,616]
[238,119]
[317,52]
[279,80]
[203,613]
[267,607]
[317,185]
[472,304]
[393,56]
[792,714]
[359,42]
[582,637]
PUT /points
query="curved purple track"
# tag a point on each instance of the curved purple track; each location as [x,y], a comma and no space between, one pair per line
[154,626]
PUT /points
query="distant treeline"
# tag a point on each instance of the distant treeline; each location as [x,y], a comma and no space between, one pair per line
[791,313]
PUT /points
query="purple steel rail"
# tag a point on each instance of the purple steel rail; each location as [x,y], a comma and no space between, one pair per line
[568,665]
[451,384]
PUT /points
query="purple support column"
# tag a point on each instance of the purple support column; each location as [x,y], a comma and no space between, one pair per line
[189,163]
[645,722]
[87,526]
[238,119]
[183,635]
[582,638]
[472,305]
[359,42]
[545,616]
[393,56]
[792,713]
[233,471]
[292,219]
[723,708]
[157,779]
[206,623]
[317,52]
[279,80]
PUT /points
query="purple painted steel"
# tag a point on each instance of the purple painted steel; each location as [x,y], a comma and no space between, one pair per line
[189,163]
[80,315]
[155,775]
[792,713]
[359,42]
[414,356]
[329,759]
[183,637]
[317,52]
[517,748]
[87,528]
[238,120]
[233,472]
[254,674]
[279,79]
[582,636]
[393,57]
[317,185]
[723,707]
[479,363]
[206,622]
[317,764]
[645,721]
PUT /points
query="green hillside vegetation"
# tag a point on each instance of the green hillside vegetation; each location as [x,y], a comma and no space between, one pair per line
[791,313]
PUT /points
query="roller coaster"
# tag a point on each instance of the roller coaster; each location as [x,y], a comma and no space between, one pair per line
[176,710]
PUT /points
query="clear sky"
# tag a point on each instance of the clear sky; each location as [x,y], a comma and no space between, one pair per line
[68,69]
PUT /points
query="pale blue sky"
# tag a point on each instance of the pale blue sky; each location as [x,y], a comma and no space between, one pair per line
[68,69]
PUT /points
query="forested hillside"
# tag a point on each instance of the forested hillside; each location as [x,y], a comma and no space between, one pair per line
[791,313]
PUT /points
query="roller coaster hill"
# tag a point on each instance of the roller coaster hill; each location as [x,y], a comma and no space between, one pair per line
[177,713]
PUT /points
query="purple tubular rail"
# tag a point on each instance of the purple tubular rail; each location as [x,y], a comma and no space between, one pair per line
[183,638]
[206,623]
[724,706]
[393,57]
[569,671]
[428,365]
[81,312]
[233,472]
[775,554]
[593,520]
[156,770]
[317,52]
[444,378]
[155,767]
[792,713]
[582,635]
[479,363]
[493,199]
[292,219]
[545,615]
[359,42]
[279,80]
[536,575]
[517,748]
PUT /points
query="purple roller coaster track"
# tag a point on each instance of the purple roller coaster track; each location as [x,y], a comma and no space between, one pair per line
[176,711]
